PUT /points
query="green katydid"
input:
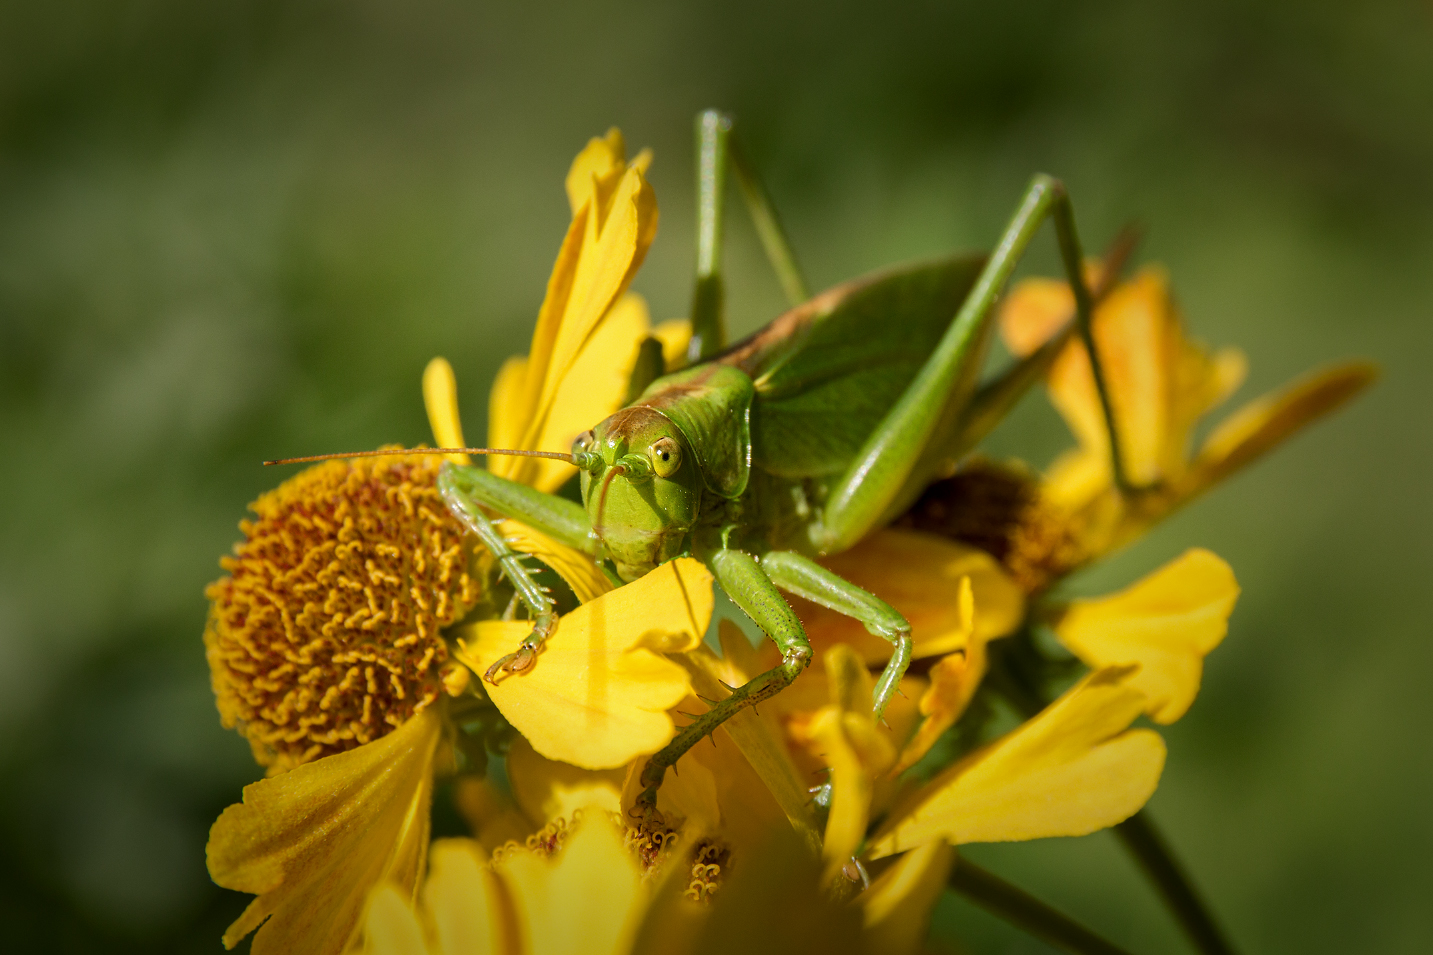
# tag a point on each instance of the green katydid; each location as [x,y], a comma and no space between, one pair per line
[792,444]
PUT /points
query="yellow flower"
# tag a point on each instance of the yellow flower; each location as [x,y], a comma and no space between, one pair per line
[326,642]
[1160,384]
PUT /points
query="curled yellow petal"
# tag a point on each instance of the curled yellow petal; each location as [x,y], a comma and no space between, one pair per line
[598,695]
[895,911]
[1266,422]
[1072,769]
[920,575]
[595,266]
[440,398]
[856,752]
[1166,623]
[953,680]
[313,841]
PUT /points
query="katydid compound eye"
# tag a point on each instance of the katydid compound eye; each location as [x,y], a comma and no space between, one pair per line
[666,457]
[583,441]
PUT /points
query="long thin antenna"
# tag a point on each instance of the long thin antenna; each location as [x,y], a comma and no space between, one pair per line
[558,455]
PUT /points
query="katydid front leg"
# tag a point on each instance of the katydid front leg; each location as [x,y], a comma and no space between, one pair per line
[464,489]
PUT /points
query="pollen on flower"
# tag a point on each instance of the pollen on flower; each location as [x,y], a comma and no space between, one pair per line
[1000,510]
[652,847]
[326,633]
[707,870]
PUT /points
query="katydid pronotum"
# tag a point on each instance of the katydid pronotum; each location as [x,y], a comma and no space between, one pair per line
[790,445]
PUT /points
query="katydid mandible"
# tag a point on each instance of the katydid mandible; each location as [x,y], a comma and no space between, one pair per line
[790,445]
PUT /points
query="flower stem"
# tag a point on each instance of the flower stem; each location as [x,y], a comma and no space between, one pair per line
[1026,912]
[1015,668]
[1144,841]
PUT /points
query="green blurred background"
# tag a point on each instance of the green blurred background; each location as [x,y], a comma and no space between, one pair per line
[238,229]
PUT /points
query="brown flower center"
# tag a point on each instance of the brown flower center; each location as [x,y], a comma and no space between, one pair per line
[326,633]
[999,509]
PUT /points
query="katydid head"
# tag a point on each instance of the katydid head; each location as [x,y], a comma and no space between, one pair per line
[641,487]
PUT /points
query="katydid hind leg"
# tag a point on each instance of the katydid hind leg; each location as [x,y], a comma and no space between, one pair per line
[884,474]
[751,589]
[802,576]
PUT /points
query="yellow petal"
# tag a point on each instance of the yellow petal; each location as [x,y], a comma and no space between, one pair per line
[599,159]
[918,574]
[594,387]
[896,909]
[579,571]
[953,680]
[688,799]
[1076,477]
[546,789]
[598,695]
[1070,770]
[1166,623]
[1137,333]
[1266,422]
[845,736]
[508,415]
[586,282]
[313,841]
[1034,310]
[587,899]
[391,927]
[465,901]
[440,397]
[674,334]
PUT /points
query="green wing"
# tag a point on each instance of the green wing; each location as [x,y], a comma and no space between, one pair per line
[827,371]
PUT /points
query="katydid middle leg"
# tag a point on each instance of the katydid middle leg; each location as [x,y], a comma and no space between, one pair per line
[802,576]
[749,587]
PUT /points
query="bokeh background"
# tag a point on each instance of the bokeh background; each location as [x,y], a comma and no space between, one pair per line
[238,229]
